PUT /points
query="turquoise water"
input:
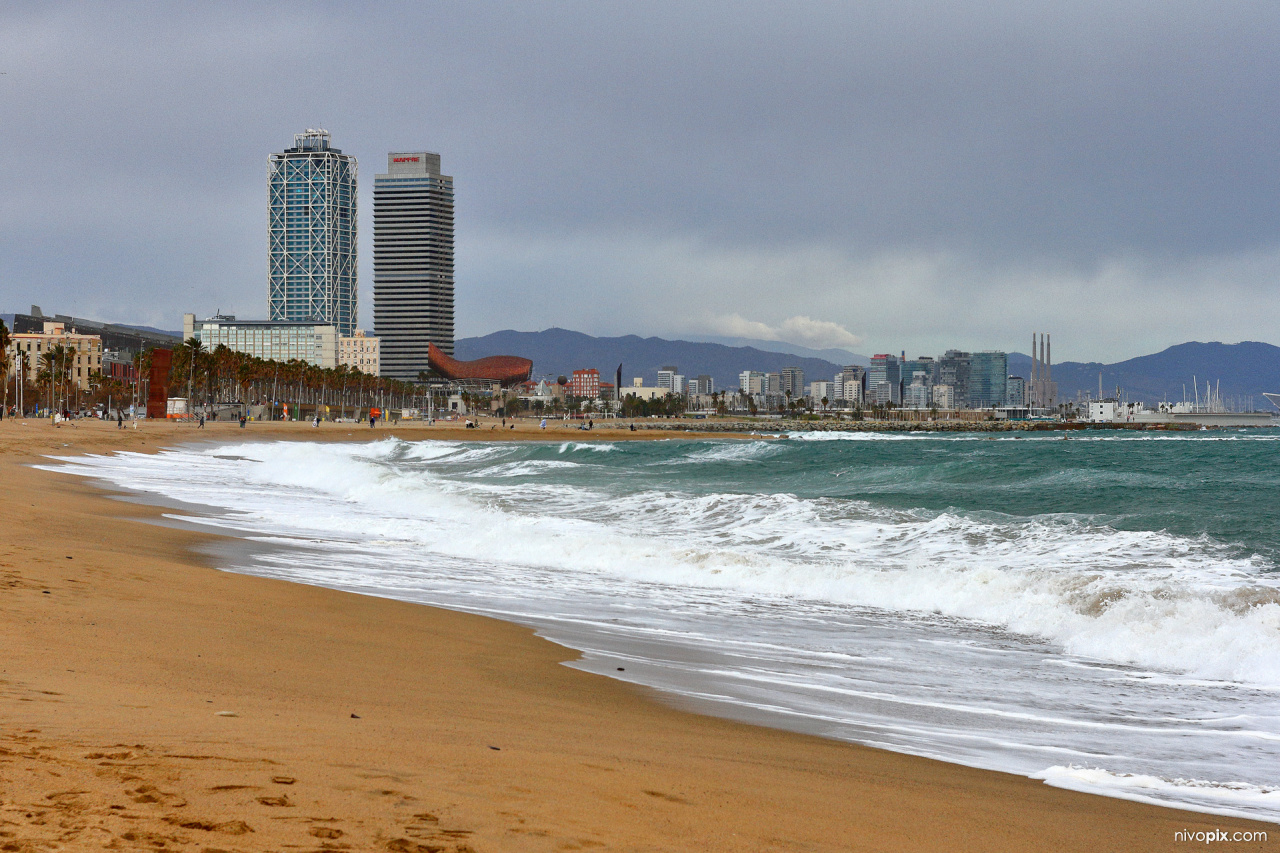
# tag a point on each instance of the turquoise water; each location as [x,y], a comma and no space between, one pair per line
[1102,612]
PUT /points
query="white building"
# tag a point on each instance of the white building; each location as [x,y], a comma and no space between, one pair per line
[944,396]
[361,351]
[751,382]
[917,395]
[848,384]
[314,343]
[640,392]
[820,390]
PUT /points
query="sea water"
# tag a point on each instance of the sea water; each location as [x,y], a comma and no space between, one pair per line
[1101,612]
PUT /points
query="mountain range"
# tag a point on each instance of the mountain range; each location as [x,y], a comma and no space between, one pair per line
[1238,371]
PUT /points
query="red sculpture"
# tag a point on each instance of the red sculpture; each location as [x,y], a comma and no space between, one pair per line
[504,369]
[158,386]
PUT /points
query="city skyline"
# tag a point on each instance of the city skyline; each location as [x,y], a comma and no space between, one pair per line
[881,177]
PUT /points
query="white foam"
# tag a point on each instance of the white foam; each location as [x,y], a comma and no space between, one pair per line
[1232,799]
[1152,599]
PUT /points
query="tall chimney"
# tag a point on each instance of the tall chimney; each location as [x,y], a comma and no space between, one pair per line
[1033,359]
[1048,360]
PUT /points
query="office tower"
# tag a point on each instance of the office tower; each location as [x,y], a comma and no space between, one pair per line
[1015,391]
[311,211]
[988,379]
[412,262]
[925,364]
[666,378]
[884,380]
[953,371]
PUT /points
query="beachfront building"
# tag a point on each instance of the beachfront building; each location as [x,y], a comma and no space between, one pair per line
[988,379]
[412,262]
[585,384]
[361,351]
[314,343]
[311,215]
[32,346]
[818,391]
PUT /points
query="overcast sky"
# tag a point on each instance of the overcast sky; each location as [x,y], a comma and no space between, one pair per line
[878,176]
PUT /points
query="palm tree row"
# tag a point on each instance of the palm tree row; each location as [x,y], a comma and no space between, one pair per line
[223,375]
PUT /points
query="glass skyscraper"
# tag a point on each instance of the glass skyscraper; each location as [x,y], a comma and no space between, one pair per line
[988,380]
[412,262]
[311,203]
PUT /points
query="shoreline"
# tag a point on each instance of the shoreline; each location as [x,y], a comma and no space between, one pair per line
[581,760]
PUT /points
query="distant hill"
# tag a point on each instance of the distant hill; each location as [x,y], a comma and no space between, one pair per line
[836,356]
[1245,369]
[560,351]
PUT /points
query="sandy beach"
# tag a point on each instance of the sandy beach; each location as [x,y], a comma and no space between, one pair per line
[150,701]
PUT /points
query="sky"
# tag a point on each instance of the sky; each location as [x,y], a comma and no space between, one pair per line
[875,176]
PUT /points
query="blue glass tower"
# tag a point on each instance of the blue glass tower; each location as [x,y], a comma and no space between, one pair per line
[311,203]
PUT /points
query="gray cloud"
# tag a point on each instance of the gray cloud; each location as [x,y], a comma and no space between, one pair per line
[920,174]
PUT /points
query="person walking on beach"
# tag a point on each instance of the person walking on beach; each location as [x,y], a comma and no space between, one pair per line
[242,420]
[372,420]
[119,419]
[202,422]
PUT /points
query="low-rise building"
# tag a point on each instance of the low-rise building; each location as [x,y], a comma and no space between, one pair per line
[86,361]
[641,392]
[361,351]
[276,340]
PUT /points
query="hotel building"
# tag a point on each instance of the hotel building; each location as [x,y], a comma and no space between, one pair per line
[314,343]
[412,262]
[311,206]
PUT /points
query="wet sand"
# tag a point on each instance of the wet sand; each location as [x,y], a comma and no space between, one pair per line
[148,701]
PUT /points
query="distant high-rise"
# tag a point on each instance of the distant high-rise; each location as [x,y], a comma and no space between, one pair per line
[412,262]
[311,206]
[988,379]
[953,371]
[884,379]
